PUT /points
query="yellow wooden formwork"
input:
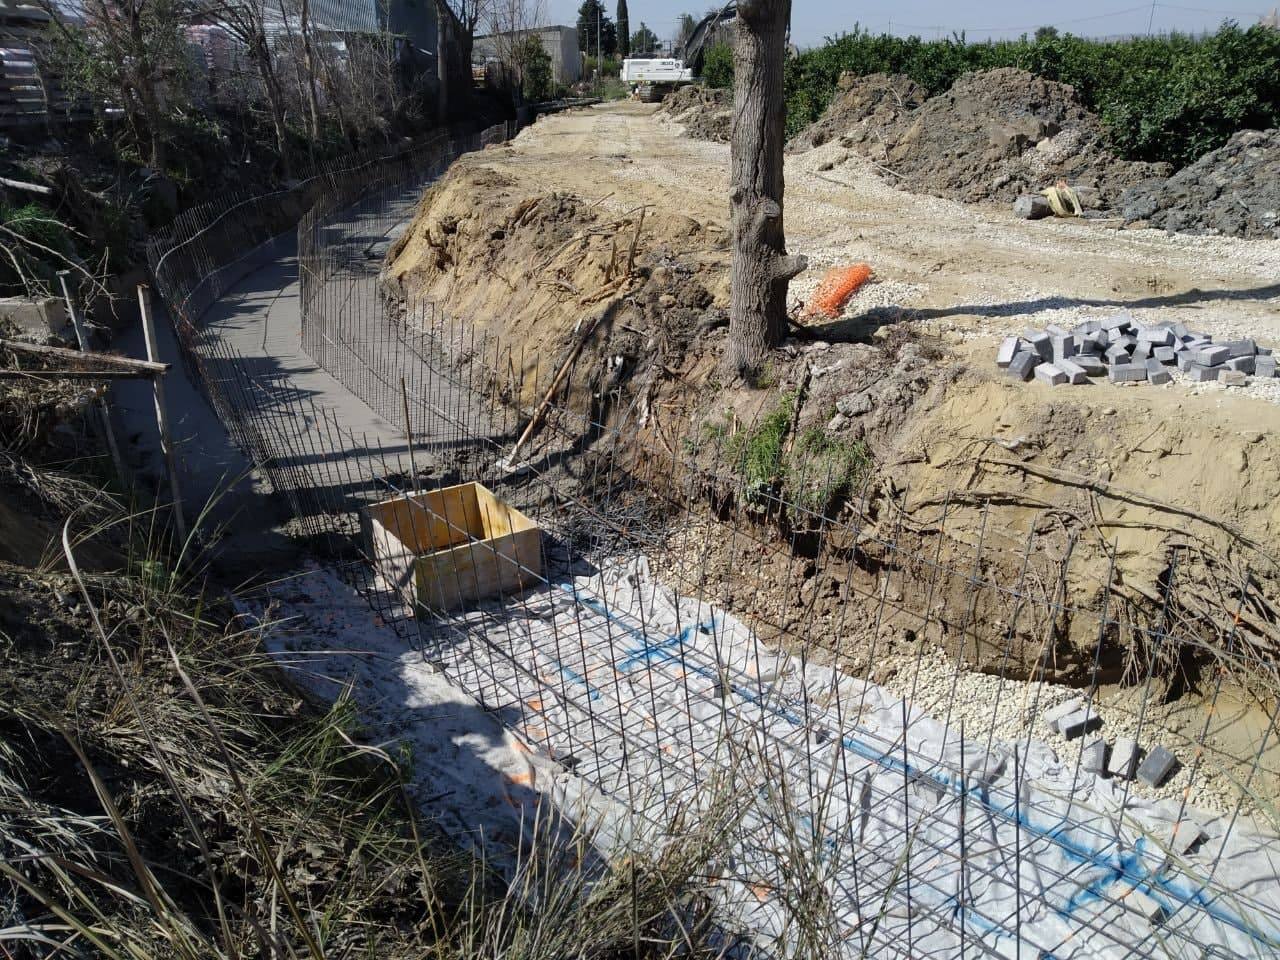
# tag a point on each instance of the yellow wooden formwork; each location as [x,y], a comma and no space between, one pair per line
[455,546]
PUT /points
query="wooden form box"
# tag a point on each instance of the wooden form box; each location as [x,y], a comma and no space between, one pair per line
[455,546]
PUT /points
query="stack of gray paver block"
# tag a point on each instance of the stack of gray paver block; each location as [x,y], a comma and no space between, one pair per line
[1126,351]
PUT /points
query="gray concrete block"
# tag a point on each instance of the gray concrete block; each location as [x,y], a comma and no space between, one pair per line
[1185,835]
[1117,354]
[1184,362]
[1211,356]
[1180,330]
[1122,321]
[1264,366]
[1158,764]
[1023,364]
[1039,342]
[1093,756]
[1159,378]
[1053,330]
[1126,340]
[1064,709]
[1264,351]
[1145,906]
[1242,348]
[1093,366]
[1156,336]
[1078,724]
[1064,346]
[1124,758]
[1243,364]
[1048,373]
[1087,346]
[1102,339]
[1008,350]
[1031,207]
[1074,371]
[1127,373]
[1199,373]
[1165,354]
[1233,378]
[1153,365]
[1141,352]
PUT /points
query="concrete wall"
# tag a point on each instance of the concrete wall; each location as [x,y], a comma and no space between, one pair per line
[561,44]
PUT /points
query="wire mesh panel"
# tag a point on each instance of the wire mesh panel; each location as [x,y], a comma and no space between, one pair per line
[928,811]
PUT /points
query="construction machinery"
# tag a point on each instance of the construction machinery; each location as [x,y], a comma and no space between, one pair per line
[654,78]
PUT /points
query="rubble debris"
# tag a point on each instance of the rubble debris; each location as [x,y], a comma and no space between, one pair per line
[706,113]
[1126,351]
[1186,834]
[996,135]
[1158,765]
[1233,191]
[862,106]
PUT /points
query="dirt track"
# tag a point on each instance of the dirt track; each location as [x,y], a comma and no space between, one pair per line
[959,267]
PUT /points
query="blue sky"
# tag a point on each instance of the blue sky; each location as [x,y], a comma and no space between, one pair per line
[812,20]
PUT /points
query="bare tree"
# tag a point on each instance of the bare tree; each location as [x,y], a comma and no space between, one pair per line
[248,21]
[762,270]
[131,53]
[457,21]
[510,23]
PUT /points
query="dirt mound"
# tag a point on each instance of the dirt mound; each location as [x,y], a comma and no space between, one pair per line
[997,134]
[862,108]
[528,266]
[1233,191]
[706,113]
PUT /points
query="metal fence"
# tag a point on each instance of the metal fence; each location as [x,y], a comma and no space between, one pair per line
[927,812]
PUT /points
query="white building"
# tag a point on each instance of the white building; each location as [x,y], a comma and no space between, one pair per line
[561,44]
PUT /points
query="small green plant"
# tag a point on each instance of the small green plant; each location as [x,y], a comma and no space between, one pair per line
[758,453]
[823,468]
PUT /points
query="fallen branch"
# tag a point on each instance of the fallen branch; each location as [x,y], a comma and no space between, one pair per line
[144,367]
[26,187]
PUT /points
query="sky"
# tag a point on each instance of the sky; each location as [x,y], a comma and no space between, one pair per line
[813,20]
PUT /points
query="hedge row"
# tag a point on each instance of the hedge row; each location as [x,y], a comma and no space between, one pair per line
[1168,98]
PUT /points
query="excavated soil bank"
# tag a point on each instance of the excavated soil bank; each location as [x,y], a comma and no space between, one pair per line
[994,135]
[704,112]
[966,467]
[1233,191]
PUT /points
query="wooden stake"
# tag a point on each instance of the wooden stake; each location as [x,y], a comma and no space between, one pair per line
[408,433]
[162,420]
[104,413]
[555,385]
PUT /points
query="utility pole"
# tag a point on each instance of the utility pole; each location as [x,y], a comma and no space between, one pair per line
[599,50]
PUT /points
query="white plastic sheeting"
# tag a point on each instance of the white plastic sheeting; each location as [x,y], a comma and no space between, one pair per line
[923,842]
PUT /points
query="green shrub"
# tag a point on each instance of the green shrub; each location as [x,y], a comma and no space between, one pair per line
[758,452]
[821,469]
[717,69]
[538,81]
[1168,98]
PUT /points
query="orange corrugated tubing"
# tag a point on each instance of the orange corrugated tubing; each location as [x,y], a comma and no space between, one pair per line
[836,288]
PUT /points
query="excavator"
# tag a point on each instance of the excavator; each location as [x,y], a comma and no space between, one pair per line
[655,78]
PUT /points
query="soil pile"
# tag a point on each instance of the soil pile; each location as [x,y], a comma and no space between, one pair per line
[993,136]
[706,113]
[863,107]
[529,266]
[1233,191]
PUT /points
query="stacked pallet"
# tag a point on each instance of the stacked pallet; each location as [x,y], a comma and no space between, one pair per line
[1126,351]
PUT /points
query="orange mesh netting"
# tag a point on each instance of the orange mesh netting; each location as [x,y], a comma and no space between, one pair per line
[839,284]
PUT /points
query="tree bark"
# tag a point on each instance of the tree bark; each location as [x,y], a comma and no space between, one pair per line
[762,270]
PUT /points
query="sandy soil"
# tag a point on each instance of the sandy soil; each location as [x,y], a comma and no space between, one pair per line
[964,268]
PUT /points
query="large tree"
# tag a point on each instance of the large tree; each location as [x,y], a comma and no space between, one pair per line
[624,29]
[762,270]
[644,40]
[593,22]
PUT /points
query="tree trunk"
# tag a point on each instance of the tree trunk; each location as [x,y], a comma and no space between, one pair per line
[761,268]
[443,18]
[309,63]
